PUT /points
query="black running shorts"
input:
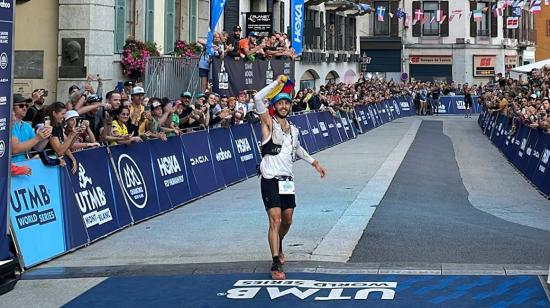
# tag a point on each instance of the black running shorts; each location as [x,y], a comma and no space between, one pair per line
[467,104]
[272,198]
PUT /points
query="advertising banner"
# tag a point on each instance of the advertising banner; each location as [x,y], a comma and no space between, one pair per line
[297,22]
[395,108]
[522,138]
[362,117]
[76,234]
[245,153]
[484,66]
[372,115]
[259,22]
[224,155]
[36,213]
[313,124]
[340,127]
[331,127]
[229,77]
[97,194]
[132,164]
[347,122]
[323,126]
[535,148]
[308,141]
[6,74]
[197,149]
[541,171]
[170,172]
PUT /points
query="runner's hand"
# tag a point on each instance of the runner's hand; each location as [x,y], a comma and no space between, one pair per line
[322,171]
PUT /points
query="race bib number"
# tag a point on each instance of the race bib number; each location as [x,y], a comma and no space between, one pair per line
[286,188]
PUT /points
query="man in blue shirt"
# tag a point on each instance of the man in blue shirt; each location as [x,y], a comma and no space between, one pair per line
[23,137]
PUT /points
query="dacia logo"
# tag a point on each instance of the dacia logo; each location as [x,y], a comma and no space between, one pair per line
[199,160]
[168,165]
[223,155]
[5,5]
[243,146]
[133,182]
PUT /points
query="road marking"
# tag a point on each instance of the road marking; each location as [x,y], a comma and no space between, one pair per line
[340,241]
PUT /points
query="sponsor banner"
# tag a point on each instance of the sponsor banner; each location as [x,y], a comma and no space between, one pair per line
[484,66]
[197,150]
[76,234]
[323,127]
[338,120]
[535,147]
[395,108]
[372,114]
[540,174]
[7,8]
[36,213]
[519,158]
[96,194]
[170,172]
[405,105]
[243,143]
[230,76]
[331,125]
[362,117]
[380,114]
[307,139]
[315,129]
[224,156]
[297,22]
[259,22]
[132,164]
[348,121]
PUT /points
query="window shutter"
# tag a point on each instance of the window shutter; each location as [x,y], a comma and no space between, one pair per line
[150,21]
[444,28]
[322,25]
[231,15]
[416,27]
[473,25]
[394,22]
[120,25]
[494,22]
[169,25]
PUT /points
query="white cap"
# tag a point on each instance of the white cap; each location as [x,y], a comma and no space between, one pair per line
[533,96]
[71,114]
[138,90]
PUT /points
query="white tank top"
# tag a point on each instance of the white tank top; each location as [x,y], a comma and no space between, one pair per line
[281,164]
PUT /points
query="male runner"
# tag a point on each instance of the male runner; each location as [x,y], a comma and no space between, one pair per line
[468,102]
[280,146]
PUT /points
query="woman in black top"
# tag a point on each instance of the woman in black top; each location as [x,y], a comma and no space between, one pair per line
[60,143]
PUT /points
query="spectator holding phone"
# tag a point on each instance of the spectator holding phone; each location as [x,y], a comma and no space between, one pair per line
[86,138]
[36,109]
[61,143]
[23,137]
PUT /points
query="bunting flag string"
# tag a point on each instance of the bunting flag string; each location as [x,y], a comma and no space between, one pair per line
[496,9]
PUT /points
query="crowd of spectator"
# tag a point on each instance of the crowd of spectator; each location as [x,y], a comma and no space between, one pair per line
[524,100]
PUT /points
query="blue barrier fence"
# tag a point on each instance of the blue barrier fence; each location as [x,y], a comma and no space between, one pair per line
[53,211]
[455,105]
[528,149]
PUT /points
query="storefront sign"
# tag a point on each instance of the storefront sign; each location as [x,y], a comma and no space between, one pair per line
[484,66]
[427,60]
[260,23]
[511,60]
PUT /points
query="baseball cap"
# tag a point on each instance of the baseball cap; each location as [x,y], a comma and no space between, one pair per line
[281,96]
[155,104]
[199,95]
[533,96]
[18,98]
[237,28]
[137,90]
[128,83]
[177,103]
[253,34]
[186,94]
[71,114]
[242,92]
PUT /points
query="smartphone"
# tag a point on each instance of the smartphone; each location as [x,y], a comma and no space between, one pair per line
[119,86]
[47,122]
[79,121]
[147,108]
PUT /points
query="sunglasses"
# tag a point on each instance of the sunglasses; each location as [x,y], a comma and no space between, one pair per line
[22,106]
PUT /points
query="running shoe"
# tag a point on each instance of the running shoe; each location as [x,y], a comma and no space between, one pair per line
[277,272]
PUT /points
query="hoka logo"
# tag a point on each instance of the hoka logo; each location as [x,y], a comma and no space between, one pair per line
[168,165]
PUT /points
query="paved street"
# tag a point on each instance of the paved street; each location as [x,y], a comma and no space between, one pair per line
[411,202]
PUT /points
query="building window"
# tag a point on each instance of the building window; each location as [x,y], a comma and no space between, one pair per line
[484,27]
[150,21]
[192,20]
[382,28]
[125,25]
[548,28]
[430,11]
[169,26]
